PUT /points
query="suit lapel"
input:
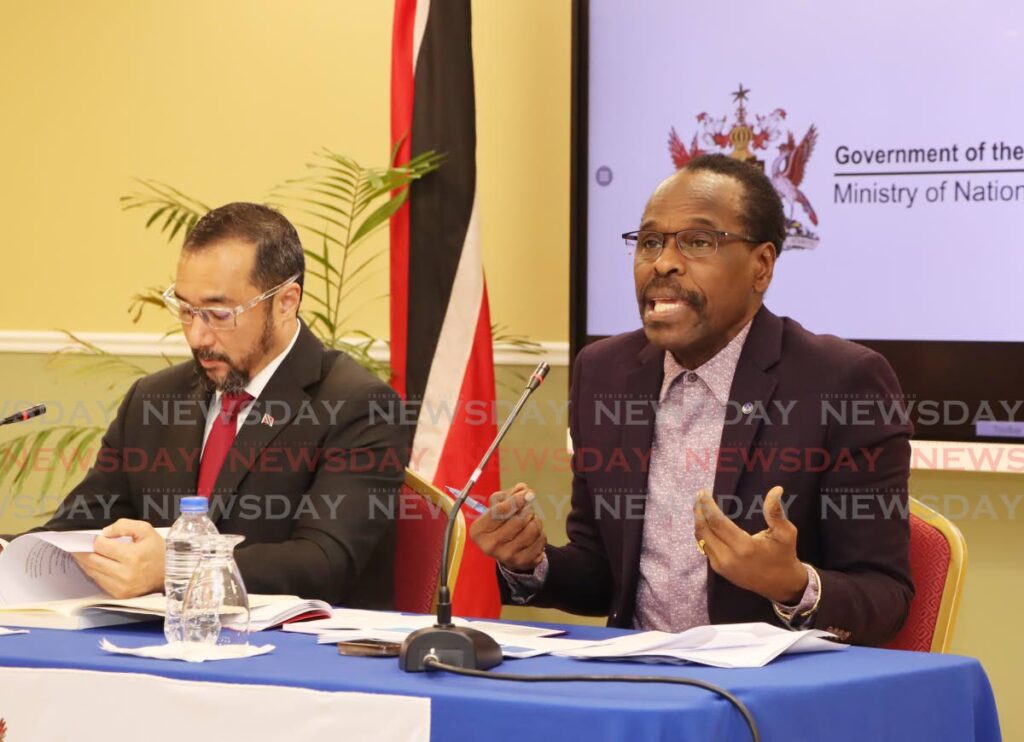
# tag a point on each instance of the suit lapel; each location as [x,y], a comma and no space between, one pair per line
[752,389]
[643,384]
[283,399]
[182,441]
[752,384]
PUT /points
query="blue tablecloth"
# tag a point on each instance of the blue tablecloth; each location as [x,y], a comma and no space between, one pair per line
[856,695]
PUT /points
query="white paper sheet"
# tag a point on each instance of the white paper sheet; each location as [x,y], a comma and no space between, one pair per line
[722,645]
[354,618]
[512,646]
[519,630]
[33,570]
[76,542]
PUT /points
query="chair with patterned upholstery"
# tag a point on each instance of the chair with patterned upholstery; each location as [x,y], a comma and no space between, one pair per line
[422,514]
[938,561]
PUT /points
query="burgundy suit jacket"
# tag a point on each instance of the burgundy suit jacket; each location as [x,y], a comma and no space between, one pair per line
[812,413]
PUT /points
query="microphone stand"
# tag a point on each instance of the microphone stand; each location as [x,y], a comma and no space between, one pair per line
[459,645]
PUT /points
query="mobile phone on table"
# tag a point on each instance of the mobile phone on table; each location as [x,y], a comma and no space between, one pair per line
[369,648]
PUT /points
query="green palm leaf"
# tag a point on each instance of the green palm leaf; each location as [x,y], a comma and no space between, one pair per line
[333,196]
[23,455]
[179,211]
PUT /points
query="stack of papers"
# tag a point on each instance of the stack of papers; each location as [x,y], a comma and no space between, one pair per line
[350,624]
[723,645]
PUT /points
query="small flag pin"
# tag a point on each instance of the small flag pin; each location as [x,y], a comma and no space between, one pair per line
[267,420]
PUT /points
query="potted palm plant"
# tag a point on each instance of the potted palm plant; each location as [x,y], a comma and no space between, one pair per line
[338,204]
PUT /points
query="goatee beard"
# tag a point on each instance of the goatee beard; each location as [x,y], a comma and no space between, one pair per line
[235,380]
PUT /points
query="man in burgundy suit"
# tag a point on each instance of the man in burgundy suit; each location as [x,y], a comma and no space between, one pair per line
[729,466]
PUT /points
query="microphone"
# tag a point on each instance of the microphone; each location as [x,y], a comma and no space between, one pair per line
[445,642]
[17,417]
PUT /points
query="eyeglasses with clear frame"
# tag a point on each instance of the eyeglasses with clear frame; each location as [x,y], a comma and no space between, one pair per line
[216,318]
[647,245]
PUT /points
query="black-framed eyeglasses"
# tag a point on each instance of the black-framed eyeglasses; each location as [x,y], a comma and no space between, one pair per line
[647,245]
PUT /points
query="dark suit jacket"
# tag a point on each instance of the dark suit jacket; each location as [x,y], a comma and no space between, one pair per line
[310,491]
[849,477]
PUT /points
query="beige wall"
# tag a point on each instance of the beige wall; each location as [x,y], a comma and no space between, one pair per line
[224,103]
[224,99]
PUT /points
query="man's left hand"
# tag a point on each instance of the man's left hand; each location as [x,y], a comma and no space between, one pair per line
[126,569]
[765,563]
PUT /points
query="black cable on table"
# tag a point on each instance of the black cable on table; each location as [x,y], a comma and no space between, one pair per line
[432,662]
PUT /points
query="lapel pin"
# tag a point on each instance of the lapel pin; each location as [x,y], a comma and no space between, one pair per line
[267,420]
[747,408]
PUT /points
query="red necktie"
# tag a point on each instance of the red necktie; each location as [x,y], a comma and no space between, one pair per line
[222,435]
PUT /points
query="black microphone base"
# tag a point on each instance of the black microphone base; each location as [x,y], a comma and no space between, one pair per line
[453,645]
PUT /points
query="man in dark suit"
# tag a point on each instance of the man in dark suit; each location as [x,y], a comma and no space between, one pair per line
[289,440]
[729,465]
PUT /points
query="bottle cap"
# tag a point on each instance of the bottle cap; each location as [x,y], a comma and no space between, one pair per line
[194,505]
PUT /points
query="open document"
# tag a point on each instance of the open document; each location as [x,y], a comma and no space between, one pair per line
[42,586]
[38,567]
[266,611]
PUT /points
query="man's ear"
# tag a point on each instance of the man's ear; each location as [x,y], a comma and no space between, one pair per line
[763,266]
[287,302]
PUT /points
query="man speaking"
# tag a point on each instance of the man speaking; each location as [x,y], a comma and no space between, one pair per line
[276,430]
[707,484]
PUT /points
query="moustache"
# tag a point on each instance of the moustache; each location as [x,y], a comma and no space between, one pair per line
[209,355]
[671,290]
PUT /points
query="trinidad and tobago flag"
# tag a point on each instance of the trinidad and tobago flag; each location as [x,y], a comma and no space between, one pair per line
[441,351]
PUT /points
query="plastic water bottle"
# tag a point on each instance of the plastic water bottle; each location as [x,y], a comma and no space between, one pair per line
[183,548]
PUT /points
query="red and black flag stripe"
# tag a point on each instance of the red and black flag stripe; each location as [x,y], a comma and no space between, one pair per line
[441,351]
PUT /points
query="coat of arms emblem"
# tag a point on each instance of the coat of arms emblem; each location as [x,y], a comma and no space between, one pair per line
[746,140]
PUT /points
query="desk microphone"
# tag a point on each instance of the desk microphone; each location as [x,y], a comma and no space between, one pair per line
[17,417]
[445,642]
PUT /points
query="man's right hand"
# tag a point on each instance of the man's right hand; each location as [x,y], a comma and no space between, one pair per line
[511,532]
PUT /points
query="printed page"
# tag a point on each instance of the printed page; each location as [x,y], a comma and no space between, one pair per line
[33,570]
